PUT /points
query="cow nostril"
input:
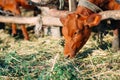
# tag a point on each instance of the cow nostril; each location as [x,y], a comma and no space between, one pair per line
[66,57]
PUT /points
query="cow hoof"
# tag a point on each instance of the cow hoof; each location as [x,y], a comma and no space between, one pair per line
[67,56]
[27,38]
[14,35]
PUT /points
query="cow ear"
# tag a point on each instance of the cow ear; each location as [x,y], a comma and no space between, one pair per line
[93,20]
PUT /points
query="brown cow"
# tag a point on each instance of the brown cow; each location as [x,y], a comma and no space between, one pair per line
[77,26]
[13,6]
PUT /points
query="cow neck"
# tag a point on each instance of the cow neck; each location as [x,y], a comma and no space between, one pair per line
[89,5]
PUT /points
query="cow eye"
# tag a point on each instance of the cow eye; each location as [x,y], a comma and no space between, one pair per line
[77,32]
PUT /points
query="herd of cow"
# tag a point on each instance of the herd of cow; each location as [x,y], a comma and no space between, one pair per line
[13,6]
[76,26]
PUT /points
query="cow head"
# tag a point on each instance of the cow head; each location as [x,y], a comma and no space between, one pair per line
[76,31]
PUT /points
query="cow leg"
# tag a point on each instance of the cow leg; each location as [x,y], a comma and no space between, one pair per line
[16,12]
[24,31]
[119,38]
[14,32]
[100,37]
[116,40]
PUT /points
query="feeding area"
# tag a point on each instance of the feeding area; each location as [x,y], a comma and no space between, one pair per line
[42,56]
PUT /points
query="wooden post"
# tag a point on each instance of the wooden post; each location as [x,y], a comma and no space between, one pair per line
[72,5]
[55,32]
[52,31]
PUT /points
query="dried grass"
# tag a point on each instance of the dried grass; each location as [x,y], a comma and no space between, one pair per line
[91,63]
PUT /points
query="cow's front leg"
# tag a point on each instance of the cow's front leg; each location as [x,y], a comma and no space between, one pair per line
[14,32]
[24,31]
[116,40]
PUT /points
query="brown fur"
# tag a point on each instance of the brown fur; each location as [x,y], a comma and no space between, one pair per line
[77,26]
[14,7]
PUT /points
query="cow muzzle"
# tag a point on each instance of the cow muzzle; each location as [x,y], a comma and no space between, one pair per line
[69,53]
